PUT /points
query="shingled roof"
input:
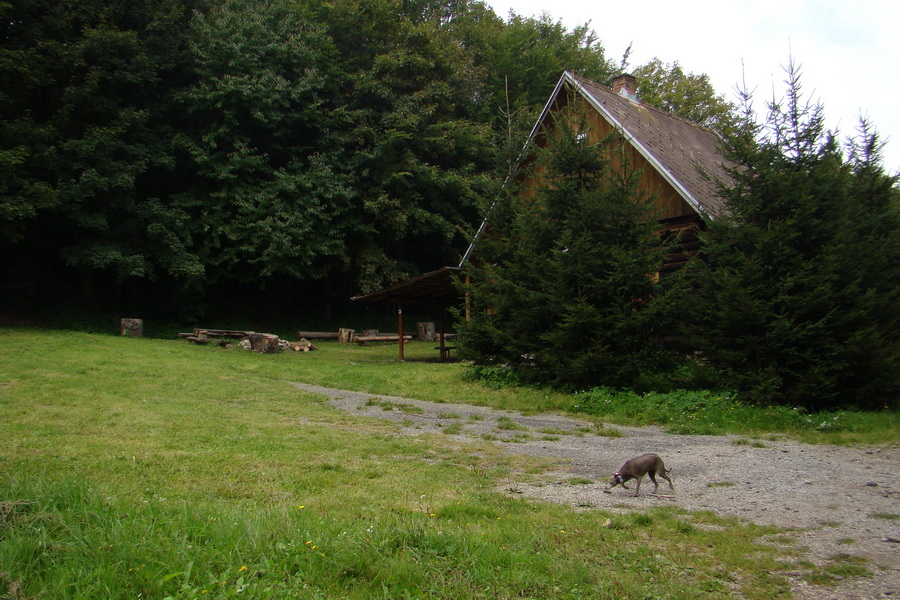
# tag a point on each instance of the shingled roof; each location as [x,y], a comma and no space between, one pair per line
[675,147]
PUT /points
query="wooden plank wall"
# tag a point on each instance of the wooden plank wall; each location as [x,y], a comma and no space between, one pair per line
[669,204]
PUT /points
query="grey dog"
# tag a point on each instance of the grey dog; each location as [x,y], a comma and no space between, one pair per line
[635,469]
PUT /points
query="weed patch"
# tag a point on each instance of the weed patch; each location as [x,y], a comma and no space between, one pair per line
[507,424]
[399,406]
[453,428]
[885,516]
[702,412]
[839,567]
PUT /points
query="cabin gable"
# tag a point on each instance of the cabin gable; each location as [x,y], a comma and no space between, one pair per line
[669,203]
[682,159]
[678,161]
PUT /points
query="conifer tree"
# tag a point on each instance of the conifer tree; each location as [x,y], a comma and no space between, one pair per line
[564,294]
[800,297]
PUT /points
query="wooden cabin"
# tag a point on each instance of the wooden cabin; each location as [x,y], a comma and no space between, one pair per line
[670,153]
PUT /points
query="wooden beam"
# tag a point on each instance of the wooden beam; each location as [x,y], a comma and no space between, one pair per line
[400,328]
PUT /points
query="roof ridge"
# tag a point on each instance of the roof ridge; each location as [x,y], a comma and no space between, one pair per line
[584,80]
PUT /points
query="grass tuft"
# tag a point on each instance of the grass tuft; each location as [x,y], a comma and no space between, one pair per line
[885,516]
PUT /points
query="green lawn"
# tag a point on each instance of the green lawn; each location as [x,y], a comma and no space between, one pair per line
[147,468]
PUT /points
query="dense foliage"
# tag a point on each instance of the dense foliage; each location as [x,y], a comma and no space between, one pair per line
[185,150]
[561,293]
[799,293]
[795,299]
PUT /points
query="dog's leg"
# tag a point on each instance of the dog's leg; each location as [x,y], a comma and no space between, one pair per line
[652,475]
[637,488]
[667,478]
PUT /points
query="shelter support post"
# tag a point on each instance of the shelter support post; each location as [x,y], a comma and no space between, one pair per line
[400,328]
[444,353]
[443,347]
[468,303]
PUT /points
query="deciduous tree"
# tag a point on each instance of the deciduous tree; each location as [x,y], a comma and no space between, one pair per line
[686,95]
[81,136]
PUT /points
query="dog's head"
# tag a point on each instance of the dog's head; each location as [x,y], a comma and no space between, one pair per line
[615,480]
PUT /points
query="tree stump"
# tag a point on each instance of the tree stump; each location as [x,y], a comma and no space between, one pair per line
[131,327]
[425,331]
[265,343]
[345,336]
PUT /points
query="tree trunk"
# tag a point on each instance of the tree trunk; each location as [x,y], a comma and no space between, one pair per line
[425,331]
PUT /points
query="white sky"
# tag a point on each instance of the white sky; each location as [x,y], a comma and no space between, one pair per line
[848,52]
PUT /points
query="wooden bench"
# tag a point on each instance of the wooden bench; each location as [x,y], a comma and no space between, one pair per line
[445,352]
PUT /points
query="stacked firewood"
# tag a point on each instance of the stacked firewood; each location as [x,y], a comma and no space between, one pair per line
[266,343]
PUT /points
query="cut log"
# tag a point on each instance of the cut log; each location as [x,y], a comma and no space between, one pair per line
[385,337]
[197,340]
[304,345]
[345,335]
[229,333]
[318,335]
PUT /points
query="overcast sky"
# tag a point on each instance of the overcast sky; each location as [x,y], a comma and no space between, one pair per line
[848,52]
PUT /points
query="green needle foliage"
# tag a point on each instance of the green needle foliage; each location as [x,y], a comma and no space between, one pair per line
[563,294]
[799,299]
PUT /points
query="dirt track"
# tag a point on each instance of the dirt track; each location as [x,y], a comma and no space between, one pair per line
[831,494]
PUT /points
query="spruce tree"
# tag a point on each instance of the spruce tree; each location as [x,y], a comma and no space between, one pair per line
[798,299]
[564,293]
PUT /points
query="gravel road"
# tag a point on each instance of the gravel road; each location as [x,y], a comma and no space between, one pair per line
[841,500]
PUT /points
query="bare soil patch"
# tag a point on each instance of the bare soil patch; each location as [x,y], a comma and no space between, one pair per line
[838,500]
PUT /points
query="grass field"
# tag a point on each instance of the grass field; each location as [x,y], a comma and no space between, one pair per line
[148,468]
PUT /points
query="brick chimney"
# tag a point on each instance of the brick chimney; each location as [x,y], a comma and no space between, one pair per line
[624,85]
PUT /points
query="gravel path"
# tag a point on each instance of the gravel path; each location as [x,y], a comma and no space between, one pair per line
[840,499]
